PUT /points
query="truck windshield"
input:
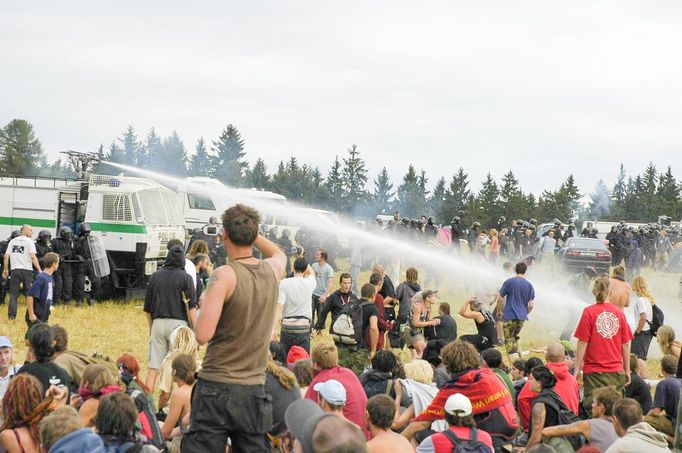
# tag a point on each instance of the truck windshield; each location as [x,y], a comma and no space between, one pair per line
[160,207]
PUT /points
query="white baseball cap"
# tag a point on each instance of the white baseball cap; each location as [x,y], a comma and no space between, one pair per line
[332,391]
[458,405]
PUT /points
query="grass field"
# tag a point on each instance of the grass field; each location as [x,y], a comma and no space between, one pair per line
[112,328]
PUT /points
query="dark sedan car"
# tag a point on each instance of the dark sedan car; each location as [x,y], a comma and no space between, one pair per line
[578,253]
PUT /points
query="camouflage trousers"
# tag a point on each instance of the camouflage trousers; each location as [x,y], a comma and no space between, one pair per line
[354,358]
[512,329]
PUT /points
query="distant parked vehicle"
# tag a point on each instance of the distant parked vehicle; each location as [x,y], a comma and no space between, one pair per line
[579,253]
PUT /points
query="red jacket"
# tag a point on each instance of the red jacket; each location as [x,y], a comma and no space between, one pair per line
[566,387]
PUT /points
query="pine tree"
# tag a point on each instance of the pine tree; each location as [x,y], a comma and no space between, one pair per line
[601,201]
[335,186]
[20,151]
[512,200]
[200,162]
[456,196]
[437,200]
[318,196]
[227,158]
[382,197]
[354,178]
[488,203]
[411,199]
[572,194]
[115,155]
[152,153]
[131,147]
[175,156]
[648,195]
[618,196]
[258,175]
[668,195]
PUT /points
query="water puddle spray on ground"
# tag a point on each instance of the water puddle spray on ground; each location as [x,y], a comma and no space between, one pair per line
[461,273]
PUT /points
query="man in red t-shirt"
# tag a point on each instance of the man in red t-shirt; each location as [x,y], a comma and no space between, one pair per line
[325,359]
[603,354]
[377,280]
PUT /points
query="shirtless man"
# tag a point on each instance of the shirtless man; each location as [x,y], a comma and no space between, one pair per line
[379,415]
[619,289]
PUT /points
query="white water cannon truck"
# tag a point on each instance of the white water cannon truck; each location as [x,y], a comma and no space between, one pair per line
[132,218]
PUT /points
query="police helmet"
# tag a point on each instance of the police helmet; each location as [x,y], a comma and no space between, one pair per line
[589,224]
[456,219]
[476,224]
[44,236]
[431,220]
[14,234]
[531,227]
[571,226]
[405,221]
[533,221]
[85,229]
[65,232]
[414,222]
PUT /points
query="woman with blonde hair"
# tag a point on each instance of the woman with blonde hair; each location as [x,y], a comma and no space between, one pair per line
[97,381]
[198,247]
[182,341]
[419,386]
[643,316]
[603,354]
[667,343]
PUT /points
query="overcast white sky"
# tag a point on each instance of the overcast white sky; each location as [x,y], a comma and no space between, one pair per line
[545,88]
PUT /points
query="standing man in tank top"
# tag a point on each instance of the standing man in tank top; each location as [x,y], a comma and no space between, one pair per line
[236,320]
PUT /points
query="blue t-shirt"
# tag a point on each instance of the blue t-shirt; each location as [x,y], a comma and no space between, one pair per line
[41,291]
[518,292]
[667,396]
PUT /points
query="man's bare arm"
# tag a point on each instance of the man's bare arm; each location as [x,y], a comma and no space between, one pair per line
[35,262]
[272,254]
[220,287]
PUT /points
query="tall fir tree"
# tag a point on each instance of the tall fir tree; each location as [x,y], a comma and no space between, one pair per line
[382,197]
[354,179]
[200,162]
[175,162]
[456,196]
[618,195]
[258,175]
[20,151]
[152,153]
[437,200]
[131,147]
[335,186]
[648,196]
[488,202]
[668,195]
[411,198]
[227,157]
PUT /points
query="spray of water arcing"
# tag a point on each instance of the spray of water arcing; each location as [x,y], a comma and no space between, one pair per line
[553,300]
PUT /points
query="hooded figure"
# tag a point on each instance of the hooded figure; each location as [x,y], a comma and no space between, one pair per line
[81,441]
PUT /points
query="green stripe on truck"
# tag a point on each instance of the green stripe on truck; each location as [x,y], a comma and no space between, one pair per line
[19,221]
[118,228]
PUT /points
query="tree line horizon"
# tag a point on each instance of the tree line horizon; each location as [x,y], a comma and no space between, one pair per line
[344,188]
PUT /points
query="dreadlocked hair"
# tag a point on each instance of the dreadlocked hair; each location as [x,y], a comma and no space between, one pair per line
[24,406]
[182,341]
[286,378]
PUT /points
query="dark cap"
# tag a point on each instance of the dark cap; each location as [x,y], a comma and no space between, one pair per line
[301,418]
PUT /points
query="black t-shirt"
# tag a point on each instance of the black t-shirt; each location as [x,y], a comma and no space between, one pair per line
[48,373]
[639,391]
[165,291]
[447,329]
[387,289]
[368,311]
[487,329]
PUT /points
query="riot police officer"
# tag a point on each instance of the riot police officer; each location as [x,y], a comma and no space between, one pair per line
[473,235]
[66,247]
[43,245]
[86,268]
[456,231]
[430,230]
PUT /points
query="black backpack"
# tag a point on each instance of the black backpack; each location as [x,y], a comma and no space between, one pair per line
[347,329]
[656,319]
[145,410]
[565,415]
[472,445]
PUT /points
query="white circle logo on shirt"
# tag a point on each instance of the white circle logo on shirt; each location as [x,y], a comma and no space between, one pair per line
[607,324]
